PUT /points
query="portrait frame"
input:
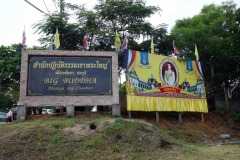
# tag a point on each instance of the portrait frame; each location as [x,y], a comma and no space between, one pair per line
[163,68]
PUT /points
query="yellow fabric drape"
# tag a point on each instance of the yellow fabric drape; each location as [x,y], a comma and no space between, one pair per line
[56,39]
[142,103]
[196,53]
[117,41]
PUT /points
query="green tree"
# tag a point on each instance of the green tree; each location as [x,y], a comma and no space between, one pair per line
[100,23]
[126,15]
[5,102]
[122,87]
[214,32]
[70,34]
[10,64]
[10,58]
[162,41]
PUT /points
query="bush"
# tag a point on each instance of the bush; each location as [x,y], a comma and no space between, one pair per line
[88,108]
[236,118]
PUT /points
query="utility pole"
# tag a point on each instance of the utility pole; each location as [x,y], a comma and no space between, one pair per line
[61,7]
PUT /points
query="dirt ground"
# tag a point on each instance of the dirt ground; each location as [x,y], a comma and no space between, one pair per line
[192,130]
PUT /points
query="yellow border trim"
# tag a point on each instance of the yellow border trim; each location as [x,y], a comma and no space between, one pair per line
[142,103]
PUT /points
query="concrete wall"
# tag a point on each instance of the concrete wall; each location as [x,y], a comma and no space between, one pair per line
[67,100]
[234,104]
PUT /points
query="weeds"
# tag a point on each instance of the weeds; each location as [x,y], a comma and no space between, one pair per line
[115,148]
[233,113]
[124,139]
[188,150]
[57,140]
[237,118]
[24,134]
[71,155]
[94,142]
[41,148]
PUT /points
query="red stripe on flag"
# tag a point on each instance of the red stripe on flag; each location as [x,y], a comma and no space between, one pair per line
[133,57]
[23,38]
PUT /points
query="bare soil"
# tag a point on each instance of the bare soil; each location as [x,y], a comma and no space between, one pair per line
[193,129]
[83,130]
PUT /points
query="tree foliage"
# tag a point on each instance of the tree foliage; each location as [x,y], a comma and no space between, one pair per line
[10,59]
[215,32]
[100,23]
[126,15]
[162,41]
[10,64]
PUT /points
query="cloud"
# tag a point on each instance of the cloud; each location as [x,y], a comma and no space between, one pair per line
[2,13]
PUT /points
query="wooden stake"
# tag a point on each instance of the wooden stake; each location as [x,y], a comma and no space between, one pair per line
[180,117]
[202,117]
[157,117]
[129,114]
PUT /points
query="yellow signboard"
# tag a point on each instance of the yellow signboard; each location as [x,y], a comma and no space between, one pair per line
[155,76]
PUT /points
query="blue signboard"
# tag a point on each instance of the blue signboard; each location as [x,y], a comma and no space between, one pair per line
[66,76]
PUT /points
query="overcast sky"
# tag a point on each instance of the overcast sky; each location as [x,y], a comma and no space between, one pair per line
[15,14]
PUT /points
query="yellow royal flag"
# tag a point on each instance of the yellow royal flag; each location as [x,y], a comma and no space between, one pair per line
[152,47]
[56,39]
[196,53]
[117,41]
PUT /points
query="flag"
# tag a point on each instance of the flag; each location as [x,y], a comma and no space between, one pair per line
[175,49]
[56,39]
[95,41]
[125,43]
[23,38]
[152,47]
[117,41]
[85,40]
[196,53]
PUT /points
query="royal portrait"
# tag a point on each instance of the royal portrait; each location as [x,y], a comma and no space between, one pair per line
[168,72]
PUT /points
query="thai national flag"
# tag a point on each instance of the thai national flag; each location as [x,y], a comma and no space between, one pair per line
[85,40]
[125,43]
[175,50]
[23,38]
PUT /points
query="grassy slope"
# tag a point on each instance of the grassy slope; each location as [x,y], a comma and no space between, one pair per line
[123,139]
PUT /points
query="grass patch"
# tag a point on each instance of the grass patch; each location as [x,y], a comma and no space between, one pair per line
[120,139]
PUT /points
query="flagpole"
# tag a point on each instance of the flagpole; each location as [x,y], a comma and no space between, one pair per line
[24,32]
[23,38]
[114,41]
[173,49]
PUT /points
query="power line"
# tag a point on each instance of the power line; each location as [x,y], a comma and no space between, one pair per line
[35,7]
[46,6]
[55,5]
